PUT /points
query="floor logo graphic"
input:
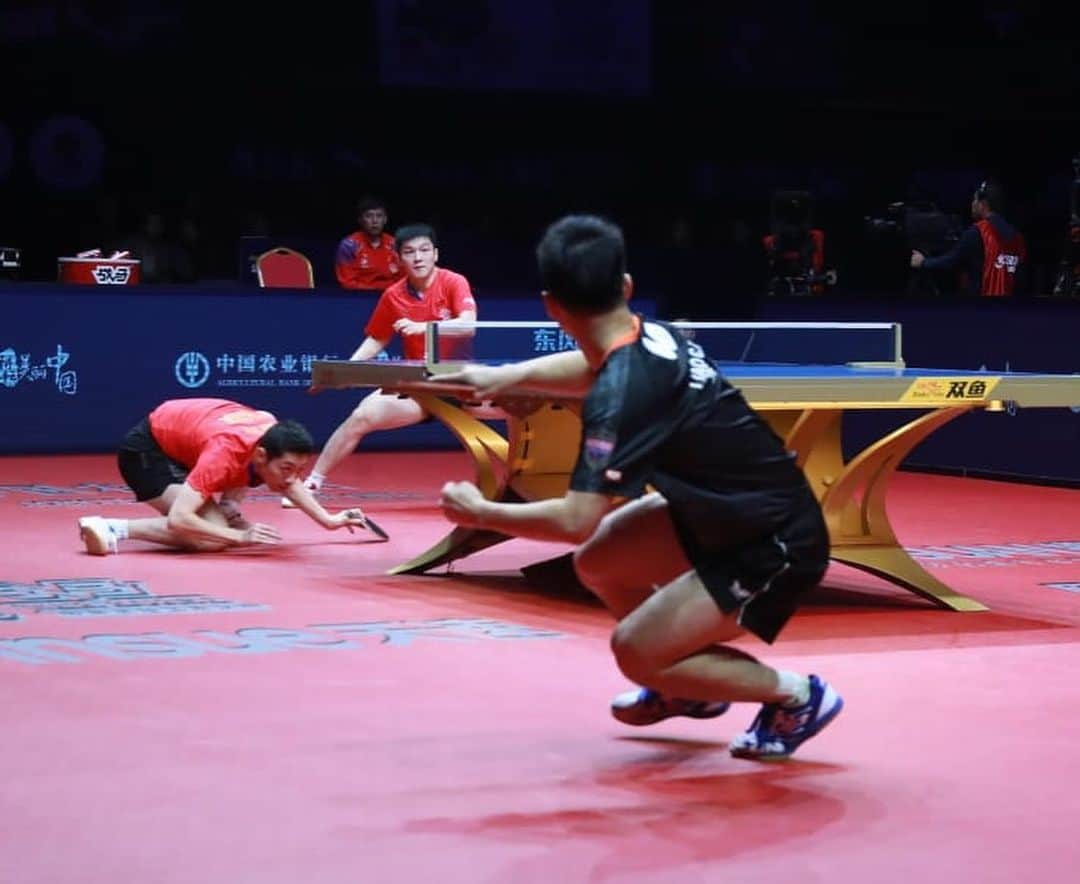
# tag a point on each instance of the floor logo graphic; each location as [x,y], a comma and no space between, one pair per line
[37,650]
[998,555]
[103,597]
[1067,586]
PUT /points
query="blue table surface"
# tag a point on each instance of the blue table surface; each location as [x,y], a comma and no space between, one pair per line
[775,370]
[797,370]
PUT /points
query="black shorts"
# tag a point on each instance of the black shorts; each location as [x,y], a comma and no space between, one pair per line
[147,469]
[765,579]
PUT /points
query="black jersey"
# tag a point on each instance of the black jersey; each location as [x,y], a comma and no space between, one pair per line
[660,414]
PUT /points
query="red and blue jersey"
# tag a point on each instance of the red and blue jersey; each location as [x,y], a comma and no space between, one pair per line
[447,297]
[1002,255]
[362,264]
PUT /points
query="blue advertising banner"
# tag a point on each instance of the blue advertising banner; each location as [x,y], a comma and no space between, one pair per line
[79,366]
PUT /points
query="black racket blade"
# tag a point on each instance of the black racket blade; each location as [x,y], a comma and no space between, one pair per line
[374,528]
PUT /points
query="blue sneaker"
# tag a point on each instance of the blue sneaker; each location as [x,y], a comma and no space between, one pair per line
[646,706]
[777,731]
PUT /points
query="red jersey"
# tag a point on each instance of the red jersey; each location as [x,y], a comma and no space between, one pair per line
[361,265]
[214,438]
[448,296]
[1001,257]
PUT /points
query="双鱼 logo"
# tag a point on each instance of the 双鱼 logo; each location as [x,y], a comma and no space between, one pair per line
[950,389]
[192,369]
[105,274]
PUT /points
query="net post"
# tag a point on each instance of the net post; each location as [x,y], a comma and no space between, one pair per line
[431,344]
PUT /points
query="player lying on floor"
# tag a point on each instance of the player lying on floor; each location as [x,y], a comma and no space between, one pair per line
[192,460]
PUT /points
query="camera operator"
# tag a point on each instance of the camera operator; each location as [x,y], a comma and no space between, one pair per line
[989,253]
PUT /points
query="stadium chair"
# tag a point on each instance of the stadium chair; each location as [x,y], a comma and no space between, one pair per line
[284,268]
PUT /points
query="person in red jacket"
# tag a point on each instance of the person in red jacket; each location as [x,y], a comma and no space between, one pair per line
[192,460]
[428,292]
[989,254]
[366,259]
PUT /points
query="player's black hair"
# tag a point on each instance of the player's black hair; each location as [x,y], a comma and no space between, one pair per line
[582,261]
[368,203]
[287,437]
[414,231]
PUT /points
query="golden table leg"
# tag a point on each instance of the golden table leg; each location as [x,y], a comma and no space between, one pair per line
[853,494]
[543,443]
[515,470]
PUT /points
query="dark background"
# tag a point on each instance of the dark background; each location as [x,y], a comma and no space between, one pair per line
[489,118]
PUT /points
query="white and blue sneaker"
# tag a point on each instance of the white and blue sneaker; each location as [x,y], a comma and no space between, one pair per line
[99,538]
[645,706]
[779,730]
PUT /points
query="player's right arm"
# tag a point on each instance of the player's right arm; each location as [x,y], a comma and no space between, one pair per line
[369,348]
[184,519]
[566,372]
[961,255]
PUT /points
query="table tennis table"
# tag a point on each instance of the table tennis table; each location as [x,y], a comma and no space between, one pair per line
[800,377]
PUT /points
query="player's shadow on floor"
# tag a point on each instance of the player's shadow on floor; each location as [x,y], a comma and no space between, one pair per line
[689,802]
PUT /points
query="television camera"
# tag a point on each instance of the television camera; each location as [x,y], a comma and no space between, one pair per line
[916,226]
[795,248]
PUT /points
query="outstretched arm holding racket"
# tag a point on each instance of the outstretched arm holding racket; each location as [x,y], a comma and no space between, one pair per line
[302,498]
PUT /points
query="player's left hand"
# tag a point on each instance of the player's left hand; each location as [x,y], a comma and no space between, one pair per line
[461,502]
[236,520]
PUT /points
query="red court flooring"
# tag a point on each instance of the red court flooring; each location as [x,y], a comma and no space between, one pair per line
[299,716]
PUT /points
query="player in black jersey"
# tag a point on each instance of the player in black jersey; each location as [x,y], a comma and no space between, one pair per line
[694,523]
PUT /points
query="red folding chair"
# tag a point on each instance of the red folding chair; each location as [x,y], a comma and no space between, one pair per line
[284,268]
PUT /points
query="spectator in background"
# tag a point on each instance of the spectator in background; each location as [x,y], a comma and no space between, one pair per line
[164,259]
[366,259]
[191,242]
[989,255]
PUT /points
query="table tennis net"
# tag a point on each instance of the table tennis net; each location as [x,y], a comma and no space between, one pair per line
[798,343]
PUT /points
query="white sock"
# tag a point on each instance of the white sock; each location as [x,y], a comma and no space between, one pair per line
[119,528]
[315,480]
[793,687]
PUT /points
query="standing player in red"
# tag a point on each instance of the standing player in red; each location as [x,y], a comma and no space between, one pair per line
[427,293]
[192,460]
[366,258]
